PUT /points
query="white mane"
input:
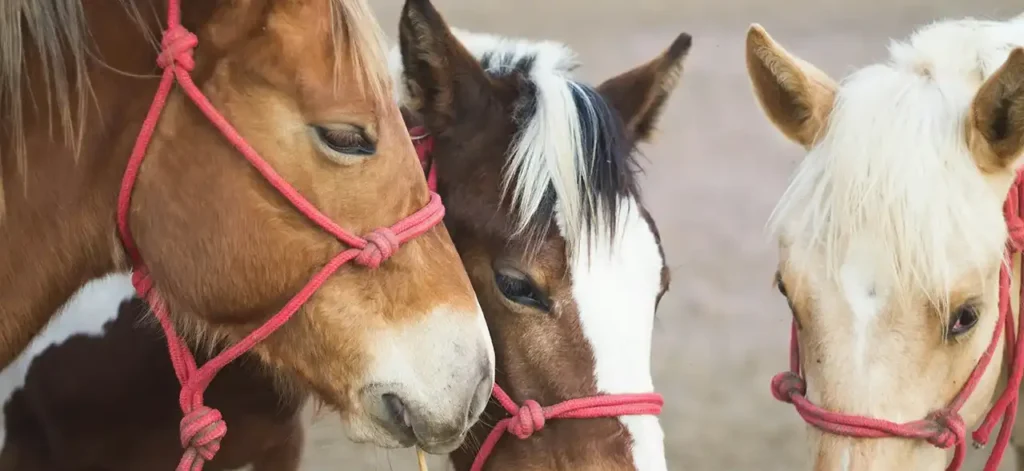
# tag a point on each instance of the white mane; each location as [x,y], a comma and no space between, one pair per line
[893,166]
[550,150]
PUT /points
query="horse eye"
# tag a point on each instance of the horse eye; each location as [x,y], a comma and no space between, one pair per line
[349,140]
[963,320]
[518,288]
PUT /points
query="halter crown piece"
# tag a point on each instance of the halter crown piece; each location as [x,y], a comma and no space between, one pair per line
[531,417]
[202,427]
[943,428]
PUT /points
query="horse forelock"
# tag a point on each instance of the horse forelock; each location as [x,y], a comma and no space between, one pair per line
[570,163]
[893,165]
[353,25]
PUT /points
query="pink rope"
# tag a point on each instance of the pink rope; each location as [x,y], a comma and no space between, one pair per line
[943,428]
[424,144]
[530,418]
[202,427]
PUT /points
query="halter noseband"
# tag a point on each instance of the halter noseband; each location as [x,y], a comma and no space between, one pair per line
[202,428]
[943,428]
[530,417]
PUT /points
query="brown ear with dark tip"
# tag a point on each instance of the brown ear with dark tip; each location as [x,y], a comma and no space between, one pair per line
[639,95]
[796,96]
[439,74]
[996,123]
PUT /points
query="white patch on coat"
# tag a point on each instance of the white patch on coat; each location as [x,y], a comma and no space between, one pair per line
[615,285]
[89,309]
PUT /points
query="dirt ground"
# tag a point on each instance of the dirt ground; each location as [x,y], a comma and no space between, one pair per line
[713,177]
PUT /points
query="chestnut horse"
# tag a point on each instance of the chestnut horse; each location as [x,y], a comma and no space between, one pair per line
[897,252]
[558,319]
[401,351]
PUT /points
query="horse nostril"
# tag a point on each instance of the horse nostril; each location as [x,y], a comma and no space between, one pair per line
[479,400]
[397,409]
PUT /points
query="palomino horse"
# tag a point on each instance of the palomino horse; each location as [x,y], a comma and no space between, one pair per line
[891,237]
[297,91]
[551,354]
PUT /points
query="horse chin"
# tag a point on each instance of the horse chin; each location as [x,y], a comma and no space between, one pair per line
[443,448]
[364,429]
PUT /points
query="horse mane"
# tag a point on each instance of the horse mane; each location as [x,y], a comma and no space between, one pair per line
[570,162]
[893,166]
[56,31]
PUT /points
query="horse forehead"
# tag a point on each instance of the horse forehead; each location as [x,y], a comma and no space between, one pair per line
[616,281]
[860,279]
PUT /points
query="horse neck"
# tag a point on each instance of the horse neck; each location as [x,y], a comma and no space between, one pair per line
[59,220]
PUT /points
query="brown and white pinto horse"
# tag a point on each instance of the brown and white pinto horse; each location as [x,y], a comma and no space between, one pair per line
[96,391]
[539,174]
[401,351]
[567,326]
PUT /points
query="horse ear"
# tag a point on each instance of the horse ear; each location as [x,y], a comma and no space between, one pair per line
[996,126]
[796,96]
[639,95]
[439,75]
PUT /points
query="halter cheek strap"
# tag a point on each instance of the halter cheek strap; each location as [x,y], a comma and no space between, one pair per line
[943,428]
[202,427]
[531,417]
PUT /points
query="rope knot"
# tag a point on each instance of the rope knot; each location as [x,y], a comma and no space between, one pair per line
[527,420]
[202,430]
[787,384]
[950,429]
[176,48]
[381,244]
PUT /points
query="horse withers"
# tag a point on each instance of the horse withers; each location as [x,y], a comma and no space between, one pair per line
[893,238]
[401,351]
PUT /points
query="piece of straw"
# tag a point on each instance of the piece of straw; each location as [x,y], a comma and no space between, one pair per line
[422,458]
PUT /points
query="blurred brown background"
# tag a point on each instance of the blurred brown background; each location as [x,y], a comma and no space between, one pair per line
[713,176]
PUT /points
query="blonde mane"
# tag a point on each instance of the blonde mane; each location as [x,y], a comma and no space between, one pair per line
[365,38]
[57,29]
[893,166]
[57,32]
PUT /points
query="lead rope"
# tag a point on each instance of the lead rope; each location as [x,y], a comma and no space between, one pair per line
[943,428]
[202,427]
[531,417]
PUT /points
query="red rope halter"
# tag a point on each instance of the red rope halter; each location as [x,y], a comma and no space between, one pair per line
[943,428]
[202,428]
[531,417]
